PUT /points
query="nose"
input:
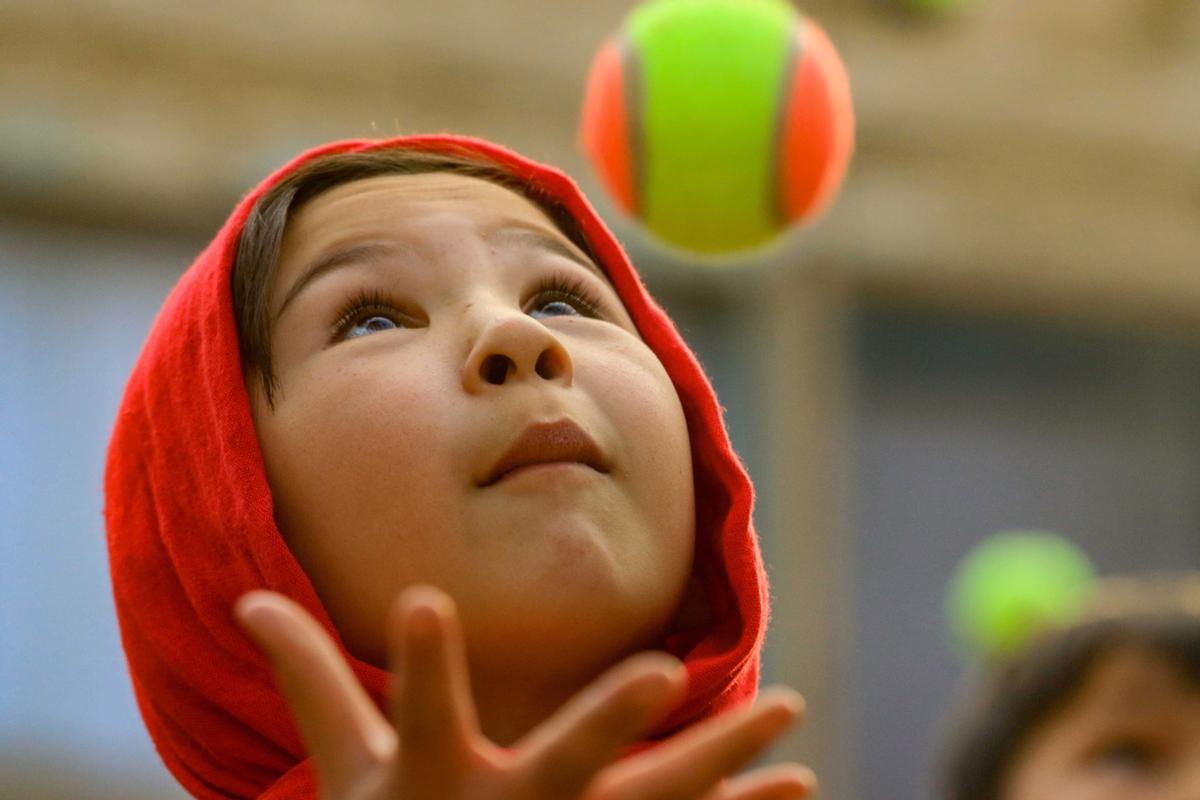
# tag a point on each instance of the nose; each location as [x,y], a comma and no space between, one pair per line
[514,348]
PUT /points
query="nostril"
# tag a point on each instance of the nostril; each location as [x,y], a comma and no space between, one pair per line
[549,365]
[495,369]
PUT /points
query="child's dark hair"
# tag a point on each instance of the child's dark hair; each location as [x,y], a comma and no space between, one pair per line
[258,246]
[1024,692]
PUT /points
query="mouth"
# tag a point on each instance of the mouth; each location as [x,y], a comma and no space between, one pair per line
[558,442]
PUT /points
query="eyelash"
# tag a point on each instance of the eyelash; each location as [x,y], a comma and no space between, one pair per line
[555,286]
[570,289]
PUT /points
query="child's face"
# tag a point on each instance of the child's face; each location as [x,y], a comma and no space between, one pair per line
[1131,733]
[479,322]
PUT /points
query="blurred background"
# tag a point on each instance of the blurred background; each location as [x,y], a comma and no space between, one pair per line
[996,326]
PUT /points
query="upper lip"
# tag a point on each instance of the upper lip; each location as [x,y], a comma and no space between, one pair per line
[549,443]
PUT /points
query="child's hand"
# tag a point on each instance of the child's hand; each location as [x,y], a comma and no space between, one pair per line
[433,748]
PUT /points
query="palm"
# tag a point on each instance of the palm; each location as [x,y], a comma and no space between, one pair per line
[432,747]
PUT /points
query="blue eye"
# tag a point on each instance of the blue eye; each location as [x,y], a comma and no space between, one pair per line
[554,308]
[560,295]
[372,311]
[373,324]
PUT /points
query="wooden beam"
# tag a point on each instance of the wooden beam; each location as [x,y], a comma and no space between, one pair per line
[805,351]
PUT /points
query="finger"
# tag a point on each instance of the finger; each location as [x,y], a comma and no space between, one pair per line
[344,732]
[561,756]
[784,782]
[431,703]
[695,761]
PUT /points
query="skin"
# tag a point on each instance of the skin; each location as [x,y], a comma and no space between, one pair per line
[431,747]
[1131,733]
[377,443]
[375,451]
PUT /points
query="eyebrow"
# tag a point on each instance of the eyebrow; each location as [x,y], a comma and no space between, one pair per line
[343,256]
[521,233]
[374,251]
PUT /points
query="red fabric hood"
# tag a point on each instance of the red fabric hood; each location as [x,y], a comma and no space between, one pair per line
[190,527]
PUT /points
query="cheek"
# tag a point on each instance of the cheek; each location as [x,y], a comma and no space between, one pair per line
[639,400]
[639,395]
[360,430]
[359,463]
[360,518]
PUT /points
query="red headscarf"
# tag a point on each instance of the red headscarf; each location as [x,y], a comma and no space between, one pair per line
[190,526]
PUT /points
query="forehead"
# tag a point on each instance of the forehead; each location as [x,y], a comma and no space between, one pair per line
[411,203]
[1135,682]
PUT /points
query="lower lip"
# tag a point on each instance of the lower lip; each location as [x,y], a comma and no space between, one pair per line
[547,469]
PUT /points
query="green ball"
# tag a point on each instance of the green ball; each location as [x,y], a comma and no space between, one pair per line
[1013,585]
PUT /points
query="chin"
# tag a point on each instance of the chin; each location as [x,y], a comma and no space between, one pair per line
[576,620]
[579,564]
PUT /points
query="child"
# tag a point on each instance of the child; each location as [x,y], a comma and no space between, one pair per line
[1107,709]
[424,363]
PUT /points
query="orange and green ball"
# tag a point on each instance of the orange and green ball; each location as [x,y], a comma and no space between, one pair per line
[718,123]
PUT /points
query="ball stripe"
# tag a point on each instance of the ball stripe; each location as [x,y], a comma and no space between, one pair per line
[604,129]
[819,127]
[781,128]
[635,121]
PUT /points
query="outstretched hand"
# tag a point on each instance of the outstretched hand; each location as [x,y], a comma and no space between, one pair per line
[432,747]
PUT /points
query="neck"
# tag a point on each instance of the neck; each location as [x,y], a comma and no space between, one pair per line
[510,706]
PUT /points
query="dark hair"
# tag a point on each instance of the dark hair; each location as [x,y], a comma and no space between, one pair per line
[258,245]
[1026,691]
